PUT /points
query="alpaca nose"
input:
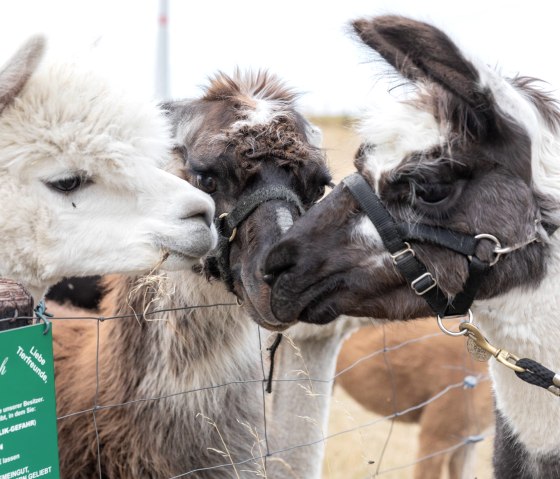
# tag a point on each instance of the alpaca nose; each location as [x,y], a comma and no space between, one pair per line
[281,258]
[202,207]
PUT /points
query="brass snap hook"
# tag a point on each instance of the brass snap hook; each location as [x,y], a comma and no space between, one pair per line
[502,356]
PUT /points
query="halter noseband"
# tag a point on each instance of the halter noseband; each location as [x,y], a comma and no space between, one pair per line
[395,237]
[218,263]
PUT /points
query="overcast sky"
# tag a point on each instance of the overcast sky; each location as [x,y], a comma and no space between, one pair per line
[304,41]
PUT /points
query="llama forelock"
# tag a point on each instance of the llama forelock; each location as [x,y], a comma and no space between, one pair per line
[394,130]
[248,87]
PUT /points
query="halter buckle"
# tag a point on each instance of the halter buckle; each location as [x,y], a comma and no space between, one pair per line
[395,257]
[420,278]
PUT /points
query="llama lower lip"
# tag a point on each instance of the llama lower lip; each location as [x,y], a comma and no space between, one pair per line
[318,312]
[266,322]
[262,315]
[287,303]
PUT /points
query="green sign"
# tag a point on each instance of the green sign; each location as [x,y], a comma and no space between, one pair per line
[28,439]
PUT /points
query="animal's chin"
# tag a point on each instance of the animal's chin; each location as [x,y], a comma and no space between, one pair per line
[256,300]
[176,261]
[313,304]
[182,253]
[321,310]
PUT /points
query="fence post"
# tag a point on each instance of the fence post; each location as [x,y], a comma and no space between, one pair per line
[15,303]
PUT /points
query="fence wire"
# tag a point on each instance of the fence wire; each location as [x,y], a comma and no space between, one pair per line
[96,407]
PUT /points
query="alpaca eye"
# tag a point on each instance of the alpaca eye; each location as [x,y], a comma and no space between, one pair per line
[206,183]
[433,194]
[67,184]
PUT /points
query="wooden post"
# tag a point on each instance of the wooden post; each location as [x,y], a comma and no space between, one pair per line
[16,305]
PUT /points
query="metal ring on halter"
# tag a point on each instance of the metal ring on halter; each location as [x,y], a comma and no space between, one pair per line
[497,249]
[455,333]
[238,301]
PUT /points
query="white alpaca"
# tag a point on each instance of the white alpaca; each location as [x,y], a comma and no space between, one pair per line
[81,182]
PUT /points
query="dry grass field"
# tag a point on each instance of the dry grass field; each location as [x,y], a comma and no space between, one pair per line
[356,454]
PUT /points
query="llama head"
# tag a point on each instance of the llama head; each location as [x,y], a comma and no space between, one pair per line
[246,145]
[468,151]
[84,189]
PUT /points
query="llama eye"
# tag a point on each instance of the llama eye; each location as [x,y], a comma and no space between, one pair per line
[319,193]
[206,183]
[433,194]
[67,185]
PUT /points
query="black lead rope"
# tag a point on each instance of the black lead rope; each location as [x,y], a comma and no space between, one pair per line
[538,375]
[394,236]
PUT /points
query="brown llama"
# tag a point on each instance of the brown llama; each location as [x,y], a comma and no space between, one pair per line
[401,367]
[244,143]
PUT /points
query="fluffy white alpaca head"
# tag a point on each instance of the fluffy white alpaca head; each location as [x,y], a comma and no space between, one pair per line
[82,184]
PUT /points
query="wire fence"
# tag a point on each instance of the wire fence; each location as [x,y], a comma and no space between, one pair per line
[471,380]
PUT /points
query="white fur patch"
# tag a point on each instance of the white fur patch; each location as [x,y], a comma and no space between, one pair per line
[545,147]
[262,113]
[367,234]
[524,322]
[396,130]
[284,218]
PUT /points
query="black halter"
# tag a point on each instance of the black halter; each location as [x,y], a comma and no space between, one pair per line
[217,263]
[395,237]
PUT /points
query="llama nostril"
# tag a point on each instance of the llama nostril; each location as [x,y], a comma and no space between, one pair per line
[281,258]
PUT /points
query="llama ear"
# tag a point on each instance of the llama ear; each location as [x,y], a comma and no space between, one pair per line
[421,52]
[19,68]
[314,135]
[172,113]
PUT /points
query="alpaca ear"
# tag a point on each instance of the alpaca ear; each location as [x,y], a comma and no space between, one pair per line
[421,52]
[19,68]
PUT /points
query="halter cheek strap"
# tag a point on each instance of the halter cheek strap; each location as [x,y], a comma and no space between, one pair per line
[395,237]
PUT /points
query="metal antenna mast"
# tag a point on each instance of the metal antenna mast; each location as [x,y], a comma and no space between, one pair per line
[162,65]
